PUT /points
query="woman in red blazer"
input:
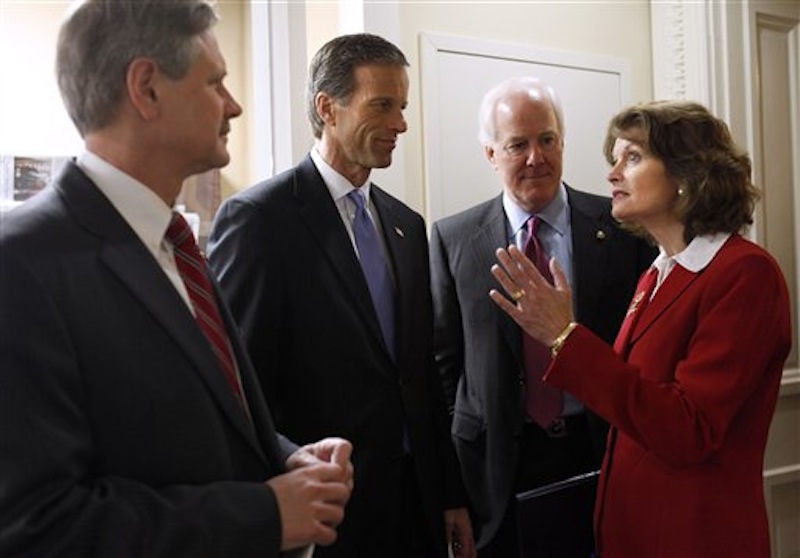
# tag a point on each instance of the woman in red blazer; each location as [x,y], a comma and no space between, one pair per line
[691,383]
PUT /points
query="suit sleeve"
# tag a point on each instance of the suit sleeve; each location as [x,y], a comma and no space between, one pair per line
[741,334]
[54,499]
[240,254]
[448,334]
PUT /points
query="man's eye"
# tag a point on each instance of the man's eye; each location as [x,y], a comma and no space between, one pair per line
[516,148]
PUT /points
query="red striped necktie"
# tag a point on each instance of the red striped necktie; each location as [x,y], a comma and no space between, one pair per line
[194,272]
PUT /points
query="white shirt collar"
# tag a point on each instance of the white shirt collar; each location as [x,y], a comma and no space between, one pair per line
[695,257]
[337,184]
[142,209]
[556,214]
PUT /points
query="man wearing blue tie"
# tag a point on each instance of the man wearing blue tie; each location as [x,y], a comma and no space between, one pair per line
[327,275]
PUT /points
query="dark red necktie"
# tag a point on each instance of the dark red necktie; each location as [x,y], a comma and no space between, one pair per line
[644,291]
[544,403]
[193,271]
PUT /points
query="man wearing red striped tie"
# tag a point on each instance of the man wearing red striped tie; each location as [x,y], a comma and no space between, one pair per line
[131,422]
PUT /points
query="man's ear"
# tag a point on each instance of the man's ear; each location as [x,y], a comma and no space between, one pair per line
[488,150]
[141,87]
[326,108]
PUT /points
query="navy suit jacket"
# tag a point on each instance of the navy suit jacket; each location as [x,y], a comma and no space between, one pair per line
[479,348]
[119,435]
[293,281]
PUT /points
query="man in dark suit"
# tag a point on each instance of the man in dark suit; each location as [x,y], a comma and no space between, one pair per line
[290,257]
[120,434]
[479,350]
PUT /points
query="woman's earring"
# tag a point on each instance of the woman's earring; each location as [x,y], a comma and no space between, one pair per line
[680,192]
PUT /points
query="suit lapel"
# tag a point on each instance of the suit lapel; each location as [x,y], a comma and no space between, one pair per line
[319,212]
[399,252]
[492,234]
[673,287]
[393,232]
[127,258]
[589,254]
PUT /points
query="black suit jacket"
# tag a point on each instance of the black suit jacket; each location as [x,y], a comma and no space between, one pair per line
[479,348]
[293,281]
[119,435]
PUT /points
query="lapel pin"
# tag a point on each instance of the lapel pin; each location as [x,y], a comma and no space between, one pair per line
[399,231]
[600,235]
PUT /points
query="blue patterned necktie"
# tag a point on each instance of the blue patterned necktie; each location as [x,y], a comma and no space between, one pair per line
[375,268]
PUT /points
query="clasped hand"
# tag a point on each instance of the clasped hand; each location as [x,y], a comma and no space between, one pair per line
[312,495]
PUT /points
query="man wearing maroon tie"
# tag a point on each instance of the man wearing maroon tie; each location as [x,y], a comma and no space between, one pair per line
[490,371]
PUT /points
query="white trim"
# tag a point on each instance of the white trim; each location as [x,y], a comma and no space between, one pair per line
[281,133]
[261,152]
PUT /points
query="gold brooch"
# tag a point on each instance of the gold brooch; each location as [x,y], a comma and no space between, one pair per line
[637,299]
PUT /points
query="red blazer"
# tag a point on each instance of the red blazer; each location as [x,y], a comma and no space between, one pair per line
[690,409]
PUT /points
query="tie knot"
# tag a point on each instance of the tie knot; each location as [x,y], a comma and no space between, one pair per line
[358,198]
[533,225]
[179,232]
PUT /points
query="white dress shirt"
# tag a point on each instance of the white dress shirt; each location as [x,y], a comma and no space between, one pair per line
[142,209]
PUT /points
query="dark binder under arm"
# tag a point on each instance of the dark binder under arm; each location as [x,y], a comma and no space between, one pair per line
[555,521]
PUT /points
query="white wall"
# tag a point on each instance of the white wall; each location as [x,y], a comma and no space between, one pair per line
[619,29]
[32,118]
[33,121]
[589,27]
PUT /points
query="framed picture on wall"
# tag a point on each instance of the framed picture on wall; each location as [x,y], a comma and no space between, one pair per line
[22,177]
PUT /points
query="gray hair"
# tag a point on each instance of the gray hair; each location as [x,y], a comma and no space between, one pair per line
[332,70]
[530,86]
[100,38]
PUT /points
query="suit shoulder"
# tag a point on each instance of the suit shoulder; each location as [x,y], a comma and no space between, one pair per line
[741,251]
[262,191]
[741,261]
[396,206]
[470,217]
[588,202]
[41,220]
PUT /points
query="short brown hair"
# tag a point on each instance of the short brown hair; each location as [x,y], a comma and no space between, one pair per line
[332,70]
[700,155]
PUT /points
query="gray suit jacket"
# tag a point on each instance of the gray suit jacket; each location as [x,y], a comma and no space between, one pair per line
[119,435]
[479,348]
